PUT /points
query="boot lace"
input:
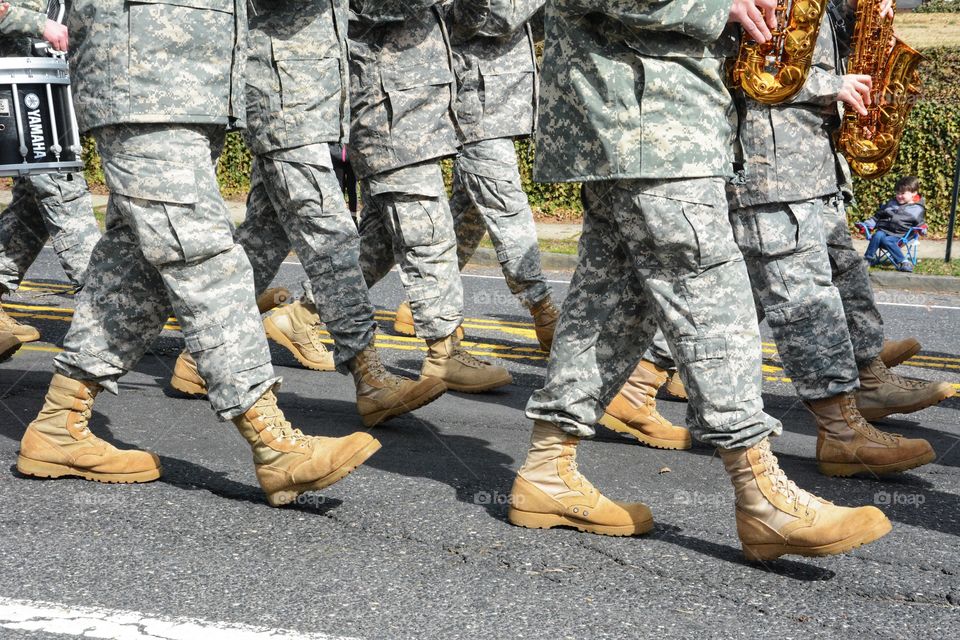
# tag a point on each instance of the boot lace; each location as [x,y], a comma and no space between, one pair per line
[466,358]
[371,362]
[867,429]
[278,426]
[82,423]
[888,376]
[800,499]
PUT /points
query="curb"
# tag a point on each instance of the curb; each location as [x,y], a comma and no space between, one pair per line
[879,279]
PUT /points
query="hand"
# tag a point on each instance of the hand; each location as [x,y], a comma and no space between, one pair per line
[886,8]
[855,92]
[56,34]
[757,17]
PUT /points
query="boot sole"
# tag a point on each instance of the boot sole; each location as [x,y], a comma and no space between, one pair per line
[187,387]
[845,470]
[878,414]
[9,351]
[760,552]
[615,424]
[902,357]
[431,394]
[277,336]
[39,469]
[548,521]
[479,388]
[286,496]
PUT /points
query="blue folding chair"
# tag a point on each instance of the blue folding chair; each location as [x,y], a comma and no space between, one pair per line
[909,244]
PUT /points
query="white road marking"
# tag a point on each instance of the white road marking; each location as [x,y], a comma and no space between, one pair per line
[918,306]
[115,624]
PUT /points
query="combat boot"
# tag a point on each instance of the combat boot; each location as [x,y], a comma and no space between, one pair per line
[882,392]
[403,322]
[23,332]
[449,361]
[897,352]
[59,442]
[675,388]
[296,327]
[549,491]
[186,378]
[9,345]
[847,444]
[545,315]
[633,411]
[775,517]
[289,463]
[382,395]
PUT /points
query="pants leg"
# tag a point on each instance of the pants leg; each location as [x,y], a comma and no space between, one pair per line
[310,206]
[659,352]
[22,235]
[874,244]
[166,193]
[67,209]
[409,206]
[850,277]
[642,238]
[261,234]
[892,244]
[487,173]
[786,257]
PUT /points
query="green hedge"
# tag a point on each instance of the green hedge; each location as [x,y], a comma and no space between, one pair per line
[929,150]
[939,6]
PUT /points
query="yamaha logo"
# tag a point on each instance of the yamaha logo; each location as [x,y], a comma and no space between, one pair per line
[31,101]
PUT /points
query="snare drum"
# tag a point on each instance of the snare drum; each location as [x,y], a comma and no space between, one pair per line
[38,126]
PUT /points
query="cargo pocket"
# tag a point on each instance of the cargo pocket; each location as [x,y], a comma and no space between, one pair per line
[417,220]
[418,99]
[505,96]
[160,199]
[311,91]
[709,376]
[778,231]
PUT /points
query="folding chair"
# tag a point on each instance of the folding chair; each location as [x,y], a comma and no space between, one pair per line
[909,244]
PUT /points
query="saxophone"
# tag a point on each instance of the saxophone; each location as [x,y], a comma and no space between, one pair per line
[871,142]
[776,70]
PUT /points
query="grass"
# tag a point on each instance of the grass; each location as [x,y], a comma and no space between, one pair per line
[929,267]
[923,30]
[566,247]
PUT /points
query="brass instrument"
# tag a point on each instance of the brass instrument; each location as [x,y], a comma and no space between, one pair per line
[871,142]
[776,70]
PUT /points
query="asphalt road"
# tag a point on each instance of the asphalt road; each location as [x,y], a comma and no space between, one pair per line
[416,545]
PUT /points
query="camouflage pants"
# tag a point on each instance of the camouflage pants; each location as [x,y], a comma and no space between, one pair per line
[659,352]
[487,197]
[168,245]
[47,206]
[658,251]
[786,255]
[299,204]
[406,221]
[850,276]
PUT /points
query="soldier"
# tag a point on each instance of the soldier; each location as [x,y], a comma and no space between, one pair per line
[47,205]
[296,104]
[157,86]
[496,71]
[789,186]
[402,123]
[628,94]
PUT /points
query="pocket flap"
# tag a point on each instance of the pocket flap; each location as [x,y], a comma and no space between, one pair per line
[151,179]
[226,6]
[411,77]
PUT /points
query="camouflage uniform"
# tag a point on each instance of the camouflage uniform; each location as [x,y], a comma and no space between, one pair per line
[296,104]
[402,123]
[48,205]
[655,247]
[496,72]
[157,85]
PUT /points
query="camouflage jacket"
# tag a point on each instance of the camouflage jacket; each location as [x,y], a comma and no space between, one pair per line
[634,90]
[496,69]
[401,85]
[296,74]
[158,61]
[19,23]
[788,152]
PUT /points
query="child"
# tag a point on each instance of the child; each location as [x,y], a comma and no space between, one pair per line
[893,220]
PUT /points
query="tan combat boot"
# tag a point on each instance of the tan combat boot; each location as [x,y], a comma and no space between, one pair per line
[23,332]
[675,388]
[633,411]
[847,444]
[882,392]
[549,491]
[450,362]
[382,395]
[186,378]
[403,322]
[296,327]
[9,345]
[897,352]
[775,517]
[289,463]
[59,443]
[545,315]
